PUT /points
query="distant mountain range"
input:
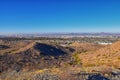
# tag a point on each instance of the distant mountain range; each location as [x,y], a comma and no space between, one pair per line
[102,34]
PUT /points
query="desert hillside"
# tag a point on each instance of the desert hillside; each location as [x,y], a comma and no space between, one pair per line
[34,56]
[107,56]
[85,47]
[36,60]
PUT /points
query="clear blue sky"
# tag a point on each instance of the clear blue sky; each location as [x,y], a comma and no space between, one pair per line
[59,16]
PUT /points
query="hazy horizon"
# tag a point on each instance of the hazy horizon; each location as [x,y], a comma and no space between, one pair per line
[57,33]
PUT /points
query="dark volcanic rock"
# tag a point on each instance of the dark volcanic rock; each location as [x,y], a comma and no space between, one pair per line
[97,77]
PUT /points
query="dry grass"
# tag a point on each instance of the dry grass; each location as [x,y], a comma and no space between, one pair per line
[108,55]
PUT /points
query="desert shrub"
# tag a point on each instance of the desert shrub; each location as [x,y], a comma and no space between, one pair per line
[89,65]
[75,59]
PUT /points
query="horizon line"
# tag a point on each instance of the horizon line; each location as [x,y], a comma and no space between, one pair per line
[17,33]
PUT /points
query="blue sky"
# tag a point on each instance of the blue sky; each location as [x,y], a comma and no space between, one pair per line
[33,16]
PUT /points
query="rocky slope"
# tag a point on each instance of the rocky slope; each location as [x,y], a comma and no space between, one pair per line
[34,56]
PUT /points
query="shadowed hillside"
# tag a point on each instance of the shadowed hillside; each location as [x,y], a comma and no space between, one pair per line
[34,56]
[50,50]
